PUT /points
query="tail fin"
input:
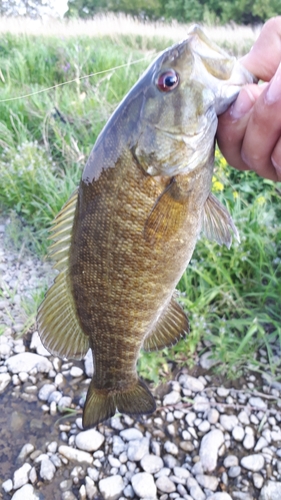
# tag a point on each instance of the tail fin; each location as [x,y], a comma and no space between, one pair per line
[101,404]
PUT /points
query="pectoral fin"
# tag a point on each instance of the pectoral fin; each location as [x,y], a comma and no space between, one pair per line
[217,222]
[57,321]
[170,328]
[164,215]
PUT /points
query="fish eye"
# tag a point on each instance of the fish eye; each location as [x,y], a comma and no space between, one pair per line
[168,80]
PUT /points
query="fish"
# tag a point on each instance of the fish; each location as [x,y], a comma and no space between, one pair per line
[126,235]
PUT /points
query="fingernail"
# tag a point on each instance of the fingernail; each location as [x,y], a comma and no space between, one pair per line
[274,89]
[243,104]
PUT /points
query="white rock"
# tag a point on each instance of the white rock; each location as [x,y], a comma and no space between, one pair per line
[220,496]
[181,472]
[222,392]
[209,482]
[137,449]
[21,476]
[75,455]
[209,449]
[261,443]
[38,346]
[254,463]
[172,398]
[165,484]
[45,391]
[90,440]
[5,379]
[191,383]
[258,480]
[27,361]
[88,364]
[249,442]
[118,445]
[91,489]
[258,402]
[25,451]
[151,463]
[201,403]
[204,426]
[130,434]
[213,416]
[230,461]
[25,493]
[47,469]
[171,448]
[243,417]
[228,422]
[206,361]
[75,371]
[143,485]
[111,487]
[271,491]
[7,485]
[238,433]
[195,491]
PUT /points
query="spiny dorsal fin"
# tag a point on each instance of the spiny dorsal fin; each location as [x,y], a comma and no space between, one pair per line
[170,328]
[217,222]
[57,321]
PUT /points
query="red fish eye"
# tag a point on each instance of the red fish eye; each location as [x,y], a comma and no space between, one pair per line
[168,81]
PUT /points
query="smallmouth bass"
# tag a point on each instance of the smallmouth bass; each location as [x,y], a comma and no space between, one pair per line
[126,235]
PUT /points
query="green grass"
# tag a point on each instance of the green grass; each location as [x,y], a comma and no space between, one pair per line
[232,296]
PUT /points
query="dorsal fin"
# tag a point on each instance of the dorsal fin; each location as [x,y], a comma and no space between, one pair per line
[170,328]
[57,320]
[217,222]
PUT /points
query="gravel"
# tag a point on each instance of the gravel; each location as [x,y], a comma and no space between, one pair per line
[224,446]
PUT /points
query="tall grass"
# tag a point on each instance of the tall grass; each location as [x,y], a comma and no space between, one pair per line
[232,296]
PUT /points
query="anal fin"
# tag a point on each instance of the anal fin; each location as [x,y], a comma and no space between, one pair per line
[217,222]
[170,328]
[57,321]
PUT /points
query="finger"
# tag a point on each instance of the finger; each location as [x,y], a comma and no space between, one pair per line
[264,130]
[233,123]
[276,159]
[265,55]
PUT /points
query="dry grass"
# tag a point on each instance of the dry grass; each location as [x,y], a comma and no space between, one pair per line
[113,25]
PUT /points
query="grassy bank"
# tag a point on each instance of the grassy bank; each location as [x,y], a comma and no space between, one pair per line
[232,296]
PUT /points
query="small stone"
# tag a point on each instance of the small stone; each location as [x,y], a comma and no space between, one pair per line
[47,469]
[118,445]
[209,482]
[258,403]
[258,480]
[91,489]
[230,461]
[261,443]
[191,383]
[254,463]
[64,403]
[249,442]
[5,379]
[25,451]
[209,449]
[222,392]
[38,346]
[75,371]
[76,455]
[28,361]
[238,433]
[172,398]
[21,476]
[271,491]
[45,391]
[220,496]
[26,492]
[7,485]
[129,492]
[171,448]
[88,364]
[201,403]
[33,475]
[243,417]
[131,434]
[228,422]
[89,440]
[137,449]
[204,426]
[111,487]
[151,463]
[213,416]
[234,471]
[194,489]
[207,361]
[165,484]
[143,485]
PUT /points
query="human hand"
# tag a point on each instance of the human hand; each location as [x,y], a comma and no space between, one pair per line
[249,132]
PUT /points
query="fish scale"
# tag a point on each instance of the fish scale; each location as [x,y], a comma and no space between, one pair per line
[123,240]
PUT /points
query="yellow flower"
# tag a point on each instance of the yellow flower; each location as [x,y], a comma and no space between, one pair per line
[218,186]
[260,200]
[235,194]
